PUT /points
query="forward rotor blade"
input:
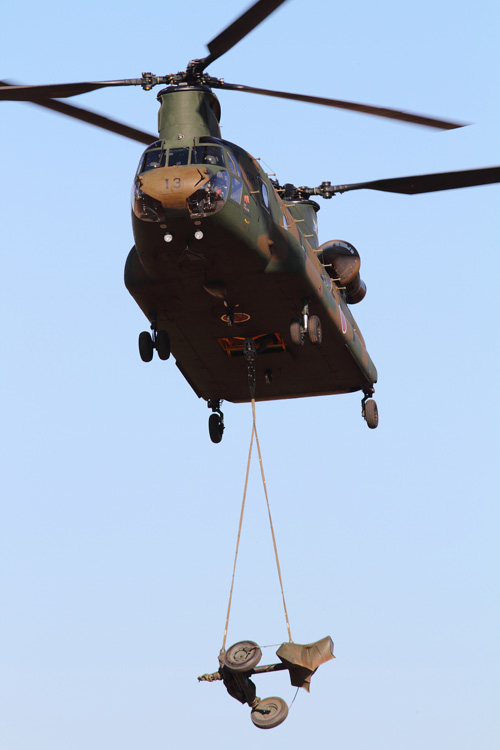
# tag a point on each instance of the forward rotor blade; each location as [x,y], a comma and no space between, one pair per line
[393,114]
[428,183]
[243,25]
[93,118]
[59,90]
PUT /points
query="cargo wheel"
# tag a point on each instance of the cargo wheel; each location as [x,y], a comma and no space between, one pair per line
[269,713]
[243,656]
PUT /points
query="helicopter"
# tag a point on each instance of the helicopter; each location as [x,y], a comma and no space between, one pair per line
[227,265]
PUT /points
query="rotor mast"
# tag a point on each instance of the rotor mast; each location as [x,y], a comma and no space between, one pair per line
[188,112]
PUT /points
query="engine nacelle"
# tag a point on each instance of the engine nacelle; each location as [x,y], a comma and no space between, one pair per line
[342,263]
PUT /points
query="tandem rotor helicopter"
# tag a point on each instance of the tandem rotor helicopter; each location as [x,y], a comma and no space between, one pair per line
[227,265]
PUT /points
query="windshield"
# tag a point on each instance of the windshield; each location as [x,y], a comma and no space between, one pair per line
[152,160]
[156,157]
[208,155]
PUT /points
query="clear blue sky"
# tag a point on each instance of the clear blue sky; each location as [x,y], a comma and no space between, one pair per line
[119,516]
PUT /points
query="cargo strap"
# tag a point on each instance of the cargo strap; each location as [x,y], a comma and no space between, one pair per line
[254,435]
[250,353]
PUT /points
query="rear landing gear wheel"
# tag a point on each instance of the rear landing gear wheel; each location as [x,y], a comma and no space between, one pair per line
[371,414]
[243,656]
[162,344]
[314,330]
[146,346]
[297,333]
[269,713]
[215,427]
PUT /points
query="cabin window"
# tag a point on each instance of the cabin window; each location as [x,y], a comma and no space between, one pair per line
[264,195]
[236,190]
[315,223]
[208,155]
[178,157]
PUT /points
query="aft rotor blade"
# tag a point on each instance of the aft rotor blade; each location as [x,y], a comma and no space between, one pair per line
[393,114]
[93,118]
[428,183]
[243,25]
[59,90]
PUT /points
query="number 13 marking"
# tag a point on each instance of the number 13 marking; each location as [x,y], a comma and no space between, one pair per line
[176,183]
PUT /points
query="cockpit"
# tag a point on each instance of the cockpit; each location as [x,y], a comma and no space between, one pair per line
[156,156]
[221,179]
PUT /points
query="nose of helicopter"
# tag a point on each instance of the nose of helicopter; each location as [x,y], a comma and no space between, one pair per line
[172,186]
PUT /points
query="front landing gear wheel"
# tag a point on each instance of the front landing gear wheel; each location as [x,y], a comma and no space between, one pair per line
[269,713]
[243,656]
[297,333]
[371,414]
[146,346]
[215,427]
[314,330]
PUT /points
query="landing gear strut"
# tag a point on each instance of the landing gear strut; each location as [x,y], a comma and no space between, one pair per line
[369,409]
[309,324]
[215,421]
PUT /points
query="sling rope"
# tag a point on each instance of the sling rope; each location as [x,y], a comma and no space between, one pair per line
[255,435]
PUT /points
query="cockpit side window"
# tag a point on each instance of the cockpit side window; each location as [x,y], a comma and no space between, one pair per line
[208,155]
[233,164]
[236,190]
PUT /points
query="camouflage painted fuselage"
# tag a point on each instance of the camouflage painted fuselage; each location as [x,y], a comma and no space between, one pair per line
[255,263]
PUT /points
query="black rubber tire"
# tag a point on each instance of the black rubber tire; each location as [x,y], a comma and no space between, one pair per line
[215,428]
[162,343]
[314,330]
[243,656]
[146,346]
[371,414]
[296,333]
[275,714]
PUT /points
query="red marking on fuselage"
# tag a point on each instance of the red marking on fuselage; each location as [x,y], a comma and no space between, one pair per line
[238,317]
